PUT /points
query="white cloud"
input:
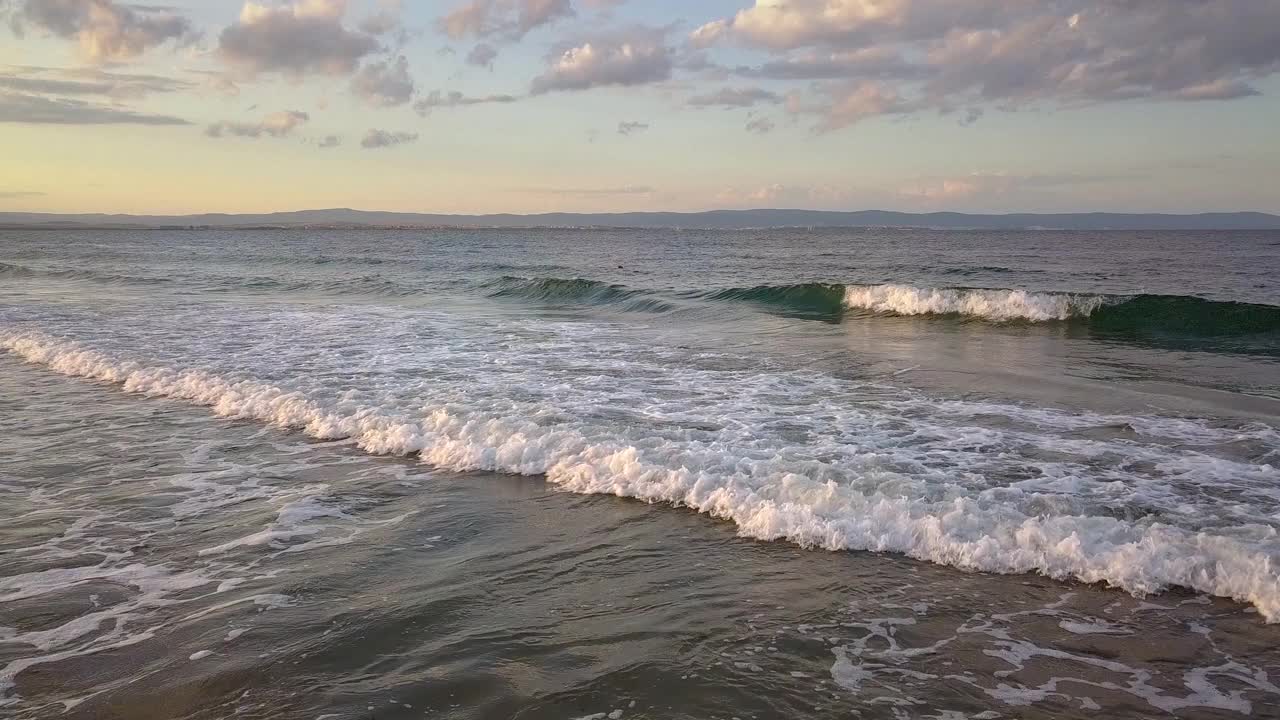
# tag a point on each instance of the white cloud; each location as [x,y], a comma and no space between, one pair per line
[277,125]
[105,30]
[507,19]
[901,56]
[384,84]
[298,38]
[632,57]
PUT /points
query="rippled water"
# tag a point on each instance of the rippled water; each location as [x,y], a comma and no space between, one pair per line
[566,474]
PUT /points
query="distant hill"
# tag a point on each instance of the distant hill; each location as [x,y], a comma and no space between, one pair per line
[716,219]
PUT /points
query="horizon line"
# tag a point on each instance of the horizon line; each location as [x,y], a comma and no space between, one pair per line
[972,213]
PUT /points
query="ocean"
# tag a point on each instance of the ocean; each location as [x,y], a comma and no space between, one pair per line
[870,473]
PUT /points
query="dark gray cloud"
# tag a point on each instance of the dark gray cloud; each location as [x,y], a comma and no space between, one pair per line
[383,138]
[105,30]
[307,36]
[735,98]
[277,125]
[632,127]
[635,56]
[329,141]
[905,56]
[86,81]
[504,19]
[41,110]
[454,99]
[384,84]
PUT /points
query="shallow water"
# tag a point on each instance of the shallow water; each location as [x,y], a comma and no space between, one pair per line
[387,474]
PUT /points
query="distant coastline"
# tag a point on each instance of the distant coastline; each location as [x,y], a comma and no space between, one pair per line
[709,220]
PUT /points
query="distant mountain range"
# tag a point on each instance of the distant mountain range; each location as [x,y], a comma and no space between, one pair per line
[712,220]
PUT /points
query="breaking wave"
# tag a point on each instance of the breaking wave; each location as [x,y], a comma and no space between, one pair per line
[769,499]
[993,305]
[1183,316]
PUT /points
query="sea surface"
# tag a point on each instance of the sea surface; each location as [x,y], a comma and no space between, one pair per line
[605,474]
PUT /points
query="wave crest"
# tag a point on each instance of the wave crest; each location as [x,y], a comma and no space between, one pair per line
[994,305]
[770,500]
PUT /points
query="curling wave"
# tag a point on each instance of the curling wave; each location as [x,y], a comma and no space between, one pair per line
[576,291]
[1174,315]
[1179,315]
[769,500]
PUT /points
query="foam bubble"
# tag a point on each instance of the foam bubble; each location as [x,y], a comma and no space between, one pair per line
[882,491]
[997,305]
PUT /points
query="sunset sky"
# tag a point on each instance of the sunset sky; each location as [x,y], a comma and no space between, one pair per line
[618,105]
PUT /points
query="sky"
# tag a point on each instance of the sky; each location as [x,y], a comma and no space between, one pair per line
[476,106]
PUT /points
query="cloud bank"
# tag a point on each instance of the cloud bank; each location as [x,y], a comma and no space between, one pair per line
[893,57]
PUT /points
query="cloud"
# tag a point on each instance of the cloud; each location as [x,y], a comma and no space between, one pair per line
[19,194]
[993,184]
[632,128]
[382,139]
[783,195]
[848,103]
[329,141]
[865,63]
[86,81]
[105,31]
[908,56]
[482,55]
[792,24]
[760,125]
[386,20]
[1220,89]
[632,57]
[507,19]
[454,99]
[735,98]
[41,110]
[384,84]
[277,125]
[306,36]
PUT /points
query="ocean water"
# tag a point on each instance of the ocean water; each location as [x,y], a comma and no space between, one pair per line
[635,474]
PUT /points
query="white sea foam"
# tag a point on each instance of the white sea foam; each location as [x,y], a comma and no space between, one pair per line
[899,503]
[996,305]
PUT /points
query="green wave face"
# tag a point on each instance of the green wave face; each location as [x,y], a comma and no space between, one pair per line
[575,291]
[1186,316]
[824,300]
